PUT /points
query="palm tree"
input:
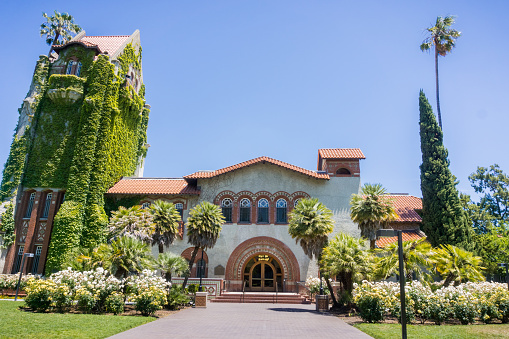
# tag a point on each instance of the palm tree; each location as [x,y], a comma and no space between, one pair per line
[203,227]
[416,256]
[128,255]
[371,210]
[310,224]
[166,223]
[169,264]
[443,38]
[457,265]
[345,258]
[58,29]
[134,222]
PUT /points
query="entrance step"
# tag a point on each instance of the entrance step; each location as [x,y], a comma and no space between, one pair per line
[261,297]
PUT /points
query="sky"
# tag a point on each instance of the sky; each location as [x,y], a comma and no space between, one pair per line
[229,81]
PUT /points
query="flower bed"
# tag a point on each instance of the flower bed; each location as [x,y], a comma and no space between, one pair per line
[96,291]
[466,303]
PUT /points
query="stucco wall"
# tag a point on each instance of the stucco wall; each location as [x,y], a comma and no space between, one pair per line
[334,193]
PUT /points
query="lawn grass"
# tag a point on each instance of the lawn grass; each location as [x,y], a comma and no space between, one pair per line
[382,331]
[15,323]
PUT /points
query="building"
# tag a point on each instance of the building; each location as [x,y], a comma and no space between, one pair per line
[81,128]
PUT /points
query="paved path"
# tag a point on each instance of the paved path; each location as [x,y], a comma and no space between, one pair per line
[224,320]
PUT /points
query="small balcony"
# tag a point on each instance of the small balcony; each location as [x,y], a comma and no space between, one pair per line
[65,89]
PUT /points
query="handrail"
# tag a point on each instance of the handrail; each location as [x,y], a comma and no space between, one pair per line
[243,290]
[276,292]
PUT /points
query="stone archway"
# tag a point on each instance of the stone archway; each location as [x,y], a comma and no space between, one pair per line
[262,245]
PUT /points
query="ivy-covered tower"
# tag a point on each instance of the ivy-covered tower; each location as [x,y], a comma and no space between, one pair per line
[81,128]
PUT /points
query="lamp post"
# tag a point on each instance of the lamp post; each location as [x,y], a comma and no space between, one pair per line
[506,272]
[29,255]
[202,269]
[392,233]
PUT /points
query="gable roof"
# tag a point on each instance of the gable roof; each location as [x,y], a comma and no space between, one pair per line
[211,174]
[105,44]
[406,235]
[406,206]
[154,186]
[341,153]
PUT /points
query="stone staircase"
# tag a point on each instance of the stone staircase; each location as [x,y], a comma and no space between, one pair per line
[261,297]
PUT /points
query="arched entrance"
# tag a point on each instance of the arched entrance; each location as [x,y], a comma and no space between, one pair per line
[263,273]
[260,263]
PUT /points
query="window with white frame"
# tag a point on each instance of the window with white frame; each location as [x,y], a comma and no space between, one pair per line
[30,205]
[263,211]
[47,205]
[73,68]
[145,205]
[281,211]
[226,207]
[245,210]
[180,208]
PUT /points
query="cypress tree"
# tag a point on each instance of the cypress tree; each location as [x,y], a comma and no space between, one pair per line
[444,220]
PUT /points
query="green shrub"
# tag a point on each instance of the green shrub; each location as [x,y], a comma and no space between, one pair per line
[115,303]
[62,298]
[501,300]
[177,298]
[410,312]
[86,300]
[465,310]
[371,307]
[437,310]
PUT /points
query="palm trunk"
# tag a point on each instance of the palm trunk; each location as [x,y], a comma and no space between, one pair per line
[372,244]
[329,286]
[438,97]
[54,41]
[161,248]
[191,262]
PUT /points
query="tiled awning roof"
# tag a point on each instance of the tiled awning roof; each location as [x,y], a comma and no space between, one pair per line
[211,174]
[105,44]
[156,186]
[406,206]
[341,153]
[406,235]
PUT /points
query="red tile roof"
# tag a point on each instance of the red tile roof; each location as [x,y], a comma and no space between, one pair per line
[201,175]
[105,44]
[341,153]
[406,235]
[152,186]
[405,206]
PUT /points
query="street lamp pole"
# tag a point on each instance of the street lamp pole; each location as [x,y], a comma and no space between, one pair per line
[202,269]
[399,234]
[506,272]
[29,255]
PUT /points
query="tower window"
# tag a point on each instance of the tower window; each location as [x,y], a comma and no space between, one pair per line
[28,211]
[47,205]
[73,68]
[343,171]
[180,208]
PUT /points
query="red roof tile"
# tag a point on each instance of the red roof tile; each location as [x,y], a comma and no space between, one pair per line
[341,153]
[201,175]
[152,186]
[405,206]
[105,44]
[406,235]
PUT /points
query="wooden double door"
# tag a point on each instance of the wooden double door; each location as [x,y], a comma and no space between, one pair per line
[262,274]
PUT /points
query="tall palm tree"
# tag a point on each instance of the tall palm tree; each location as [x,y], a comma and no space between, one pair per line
[310,224]
[457,265]
[134,222]
[166,220]
[58,29]
[442,38]
[169,264]
[371,210]
[417,256]
[204,224]
[129,255]
[345,258]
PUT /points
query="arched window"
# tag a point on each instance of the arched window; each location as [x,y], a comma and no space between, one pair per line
[245,210]
[296,202]
[30,205]
[47,205]
[263,211]
[343,171]
[73,68]
[281,211]
[180,207]
[145,205]
[226,207]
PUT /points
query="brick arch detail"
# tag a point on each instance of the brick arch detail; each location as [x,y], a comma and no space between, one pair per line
[188,252]
[262,245]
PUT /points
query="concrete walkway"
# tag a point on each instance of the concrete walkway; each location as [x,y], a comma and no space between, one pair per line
[224,320]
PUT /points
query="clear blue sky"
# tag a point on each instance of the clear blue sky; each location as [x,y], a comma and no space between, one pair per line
[229,81]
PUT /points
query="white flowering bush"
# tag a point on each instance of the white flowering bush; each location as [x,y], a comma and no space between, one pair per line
[149,300]
[313,284]
[467,302]
[148,291]
[146,279]
[10,281]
